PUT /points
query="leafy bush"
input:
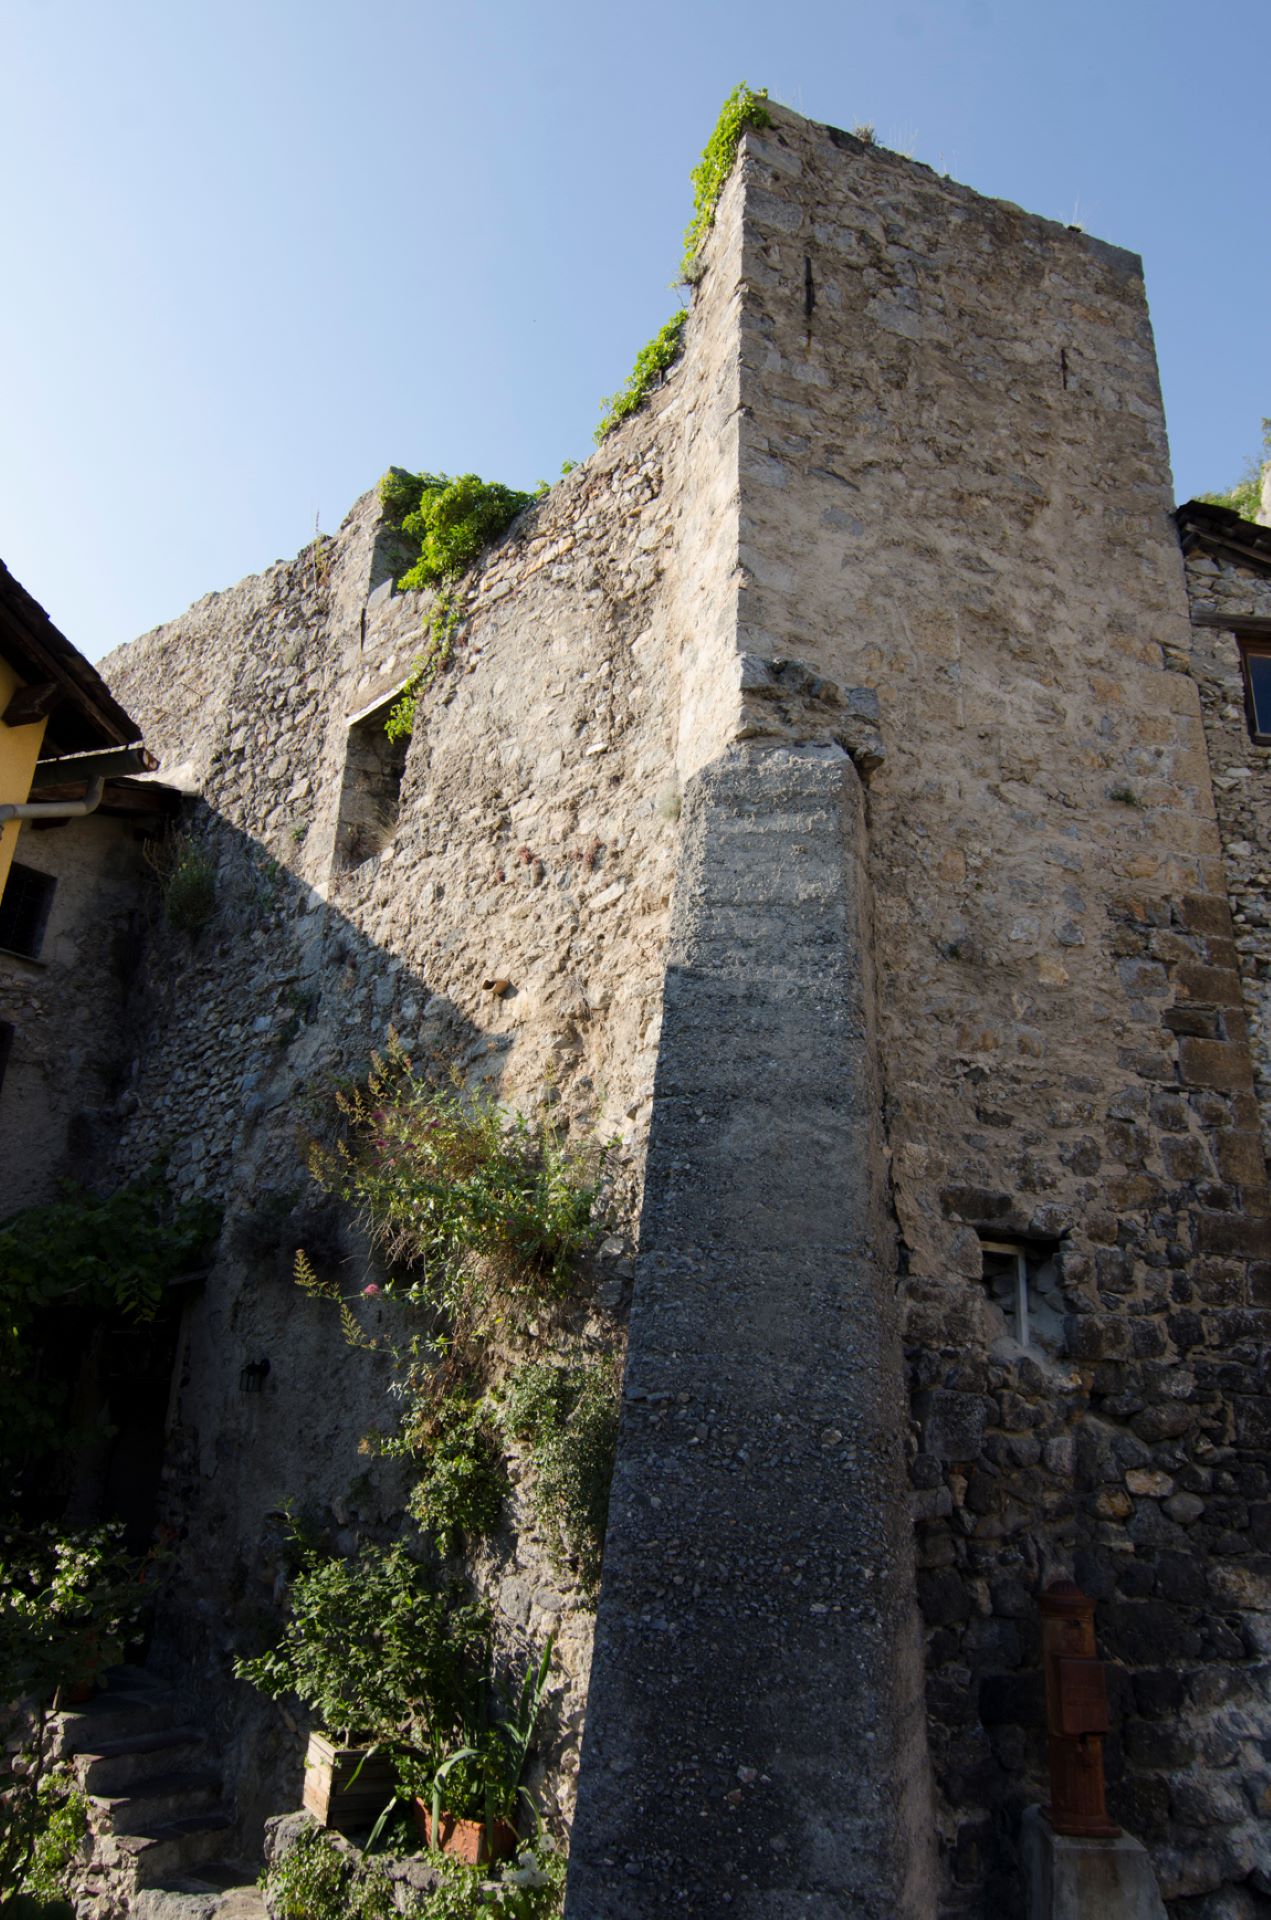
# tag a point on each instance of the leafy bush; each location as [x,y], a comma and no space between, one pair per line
[67,1603]
[479,1210]
[743,108]
[652,362]
[92,1254]
[568,1417]
[533,1889]
[373,1649]
[318,1879]
[187,881]
[452,519]
[461,1487]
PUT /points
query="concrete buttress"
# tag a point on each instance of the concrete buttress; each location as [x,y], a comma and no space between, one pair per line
[755,1739]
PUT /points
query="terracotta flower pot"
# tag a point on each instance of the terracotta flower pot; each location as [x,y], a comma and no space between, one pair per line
[466,1839]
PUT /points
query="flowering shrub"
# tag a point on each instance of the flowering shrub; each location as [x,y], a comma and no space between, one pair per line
[479,1212]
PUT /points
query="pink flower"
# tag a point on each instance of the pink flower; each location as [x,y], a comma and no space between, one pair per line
[372,1289]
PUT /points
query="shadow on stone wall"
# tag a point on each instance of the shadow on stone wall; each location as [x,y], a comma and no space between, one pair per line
[247,1027]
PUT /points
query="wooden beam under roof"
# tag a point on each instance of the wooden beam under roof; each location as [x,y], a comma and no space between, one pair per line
[86,715]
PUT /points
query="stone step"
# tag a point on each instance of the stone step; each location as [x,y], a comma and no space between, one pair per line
[157,1798]
[133,1679]
[109,1768]
[175,1846]
[202,1896]
[215,1876]
[116,1715]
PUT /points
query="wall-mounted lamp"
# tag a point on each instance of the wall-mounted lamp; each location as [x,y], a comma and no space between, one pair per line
[253,1376]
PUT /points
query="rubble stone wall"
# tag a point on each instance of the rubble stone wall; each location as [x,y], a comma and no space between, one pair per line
[67,1007]
[533,849]
[955,493]
[908,496]
[1222,586]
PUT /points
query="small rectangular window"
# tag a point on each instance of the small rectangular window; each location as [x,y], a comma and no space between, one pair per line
[370,795]
[1023,1281]
[24,910]
[1255,658]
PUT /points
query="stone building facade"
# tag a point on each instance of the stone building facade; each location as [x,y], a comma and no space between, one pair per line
[851,818]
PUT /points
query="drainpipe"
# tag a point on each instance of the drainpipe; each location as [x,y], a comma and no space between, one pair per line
[59,809]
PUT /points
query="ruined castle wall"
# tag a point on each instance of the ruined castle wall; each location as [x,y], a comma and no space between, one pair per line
[704,603]
[1224,587]
[955,493]
[506,909]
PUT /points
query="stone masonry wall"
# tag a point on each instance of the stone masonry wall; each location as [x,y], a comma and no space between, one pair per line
[907,496]
[533,848]
[955,493]
[68,1006]
[756,1661]
[1222,585]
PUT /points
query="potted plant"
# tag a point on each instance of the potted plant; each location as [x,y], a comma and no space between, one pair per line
[476,1788]
[380,1657]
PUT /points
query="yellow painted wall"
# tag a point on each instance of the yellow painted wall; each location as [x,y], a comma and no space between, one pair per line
[19,750]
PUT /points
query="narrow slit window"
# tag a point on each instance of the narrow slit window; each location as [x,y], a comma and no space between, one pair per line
[24,910]
[1255,659]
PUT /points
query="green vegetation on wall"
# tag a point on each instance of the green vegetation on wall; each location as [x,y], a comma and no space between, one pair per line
[568,1417]
[652,362]
[743,108]
[1245,497]
[481,1218]
[187,880]
[453,520]
[86,1255]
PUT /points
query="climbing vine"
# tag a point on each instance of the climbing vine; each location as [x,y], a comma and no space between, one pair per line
[440,632]
[743,108]
[481,1217]
[652,362]
[453,520]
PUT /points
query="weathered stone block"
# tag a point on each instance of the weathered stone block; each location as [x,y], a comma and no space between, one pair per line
[1206,914]
[1068,1879]
[1213,1063]
[953,1424]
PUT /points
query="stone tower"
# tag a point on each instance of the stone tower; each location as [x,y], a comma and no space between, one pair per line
[825,769]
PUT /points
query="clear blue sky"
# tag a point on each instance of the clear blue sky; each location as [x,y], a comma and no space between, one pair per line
[254,251]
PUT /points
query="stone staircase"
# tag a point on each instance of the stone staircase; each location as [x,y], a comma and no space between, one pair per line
[157,1814]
